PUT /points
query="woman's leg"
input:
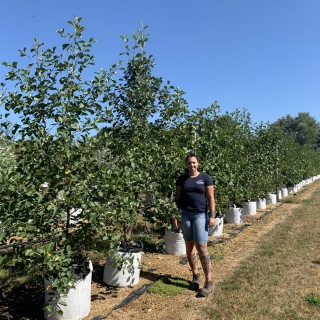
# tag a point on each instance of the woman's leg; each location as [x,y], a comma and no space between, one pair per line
[200,236]
[195,231]
[204,259]
[192,256]
[206,265]
[187,230]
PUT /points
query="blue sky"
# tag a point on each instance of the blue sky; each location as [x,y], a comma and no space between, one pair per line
[261,55]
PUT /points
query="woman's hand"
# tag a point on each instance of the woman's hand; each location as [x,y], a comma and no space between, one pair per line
[211,221]
[175,223]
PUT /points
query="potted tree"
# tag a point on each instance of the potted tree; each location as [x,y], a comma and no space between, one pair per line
[233,131]
[135,150]
[58,111]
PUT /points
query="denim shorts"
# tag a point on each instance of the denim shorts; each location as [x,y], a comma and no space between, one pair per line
[194,226]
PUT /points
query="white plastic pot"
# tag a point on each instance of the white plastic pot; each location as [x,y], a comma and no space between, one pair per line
[74,213]
[249,207]
[78,300]
[174,243]
[217,229]
[234,215]
[261,204]
[284,192]
[272,198]
[128,276]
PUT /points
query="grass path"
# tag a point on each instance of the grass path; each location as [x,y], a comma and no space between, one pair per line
[276,278]
[266,271]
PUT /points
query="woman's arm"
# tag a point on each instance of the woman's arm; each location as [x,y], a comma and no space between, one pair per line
[212,204]
[178,196]
[175,221]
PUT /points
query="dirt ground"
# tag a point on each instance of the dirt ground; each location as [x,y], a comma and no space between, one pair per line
[240,242]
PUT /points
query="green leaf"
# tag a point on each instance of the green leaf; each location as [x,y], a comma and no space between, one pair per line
[39,279]
[2,259]
[12,263]
[29,252]
[4,272]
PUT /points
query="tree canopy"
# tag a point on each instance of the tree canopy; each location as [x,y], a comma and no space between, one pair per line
[304,128]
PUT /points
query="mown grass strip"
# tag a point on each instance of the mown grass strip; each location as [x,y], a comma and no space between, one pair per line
[279,279]
[169,286]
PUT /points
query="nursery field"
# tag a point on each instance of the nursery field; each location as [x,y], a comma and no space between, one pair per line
[74,170]
[265,268]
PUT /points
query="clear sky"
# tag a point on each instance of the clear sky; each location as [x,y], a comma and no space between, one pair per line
[261,55]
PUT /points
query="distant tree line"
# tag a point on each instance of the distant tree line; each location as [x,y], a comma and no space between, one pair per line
[303,128]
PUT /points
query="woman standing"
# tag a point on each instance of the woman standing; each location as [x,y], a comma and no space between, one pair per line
[194,191]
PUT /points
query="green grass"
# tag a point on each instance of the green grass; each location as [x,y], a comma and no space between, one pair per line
[216,257]
[169,286]
[312,300]
[276,282]
[293,198]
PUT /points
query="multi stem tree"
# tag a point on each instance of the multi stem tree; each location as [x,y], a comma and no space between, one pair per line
[143,148]
[55,173]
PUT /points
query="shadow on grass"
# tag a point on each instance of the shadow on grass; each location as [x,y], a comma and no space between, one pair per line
[169,286]
[176,282]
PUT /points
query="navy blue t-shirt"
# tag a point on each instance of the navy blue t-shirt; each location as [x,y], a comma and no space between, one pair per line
[193,192]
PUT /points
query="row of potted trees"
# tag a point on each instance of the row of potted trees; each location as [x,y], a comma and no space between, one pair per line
[85,191]
[129,273]
[235,214]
